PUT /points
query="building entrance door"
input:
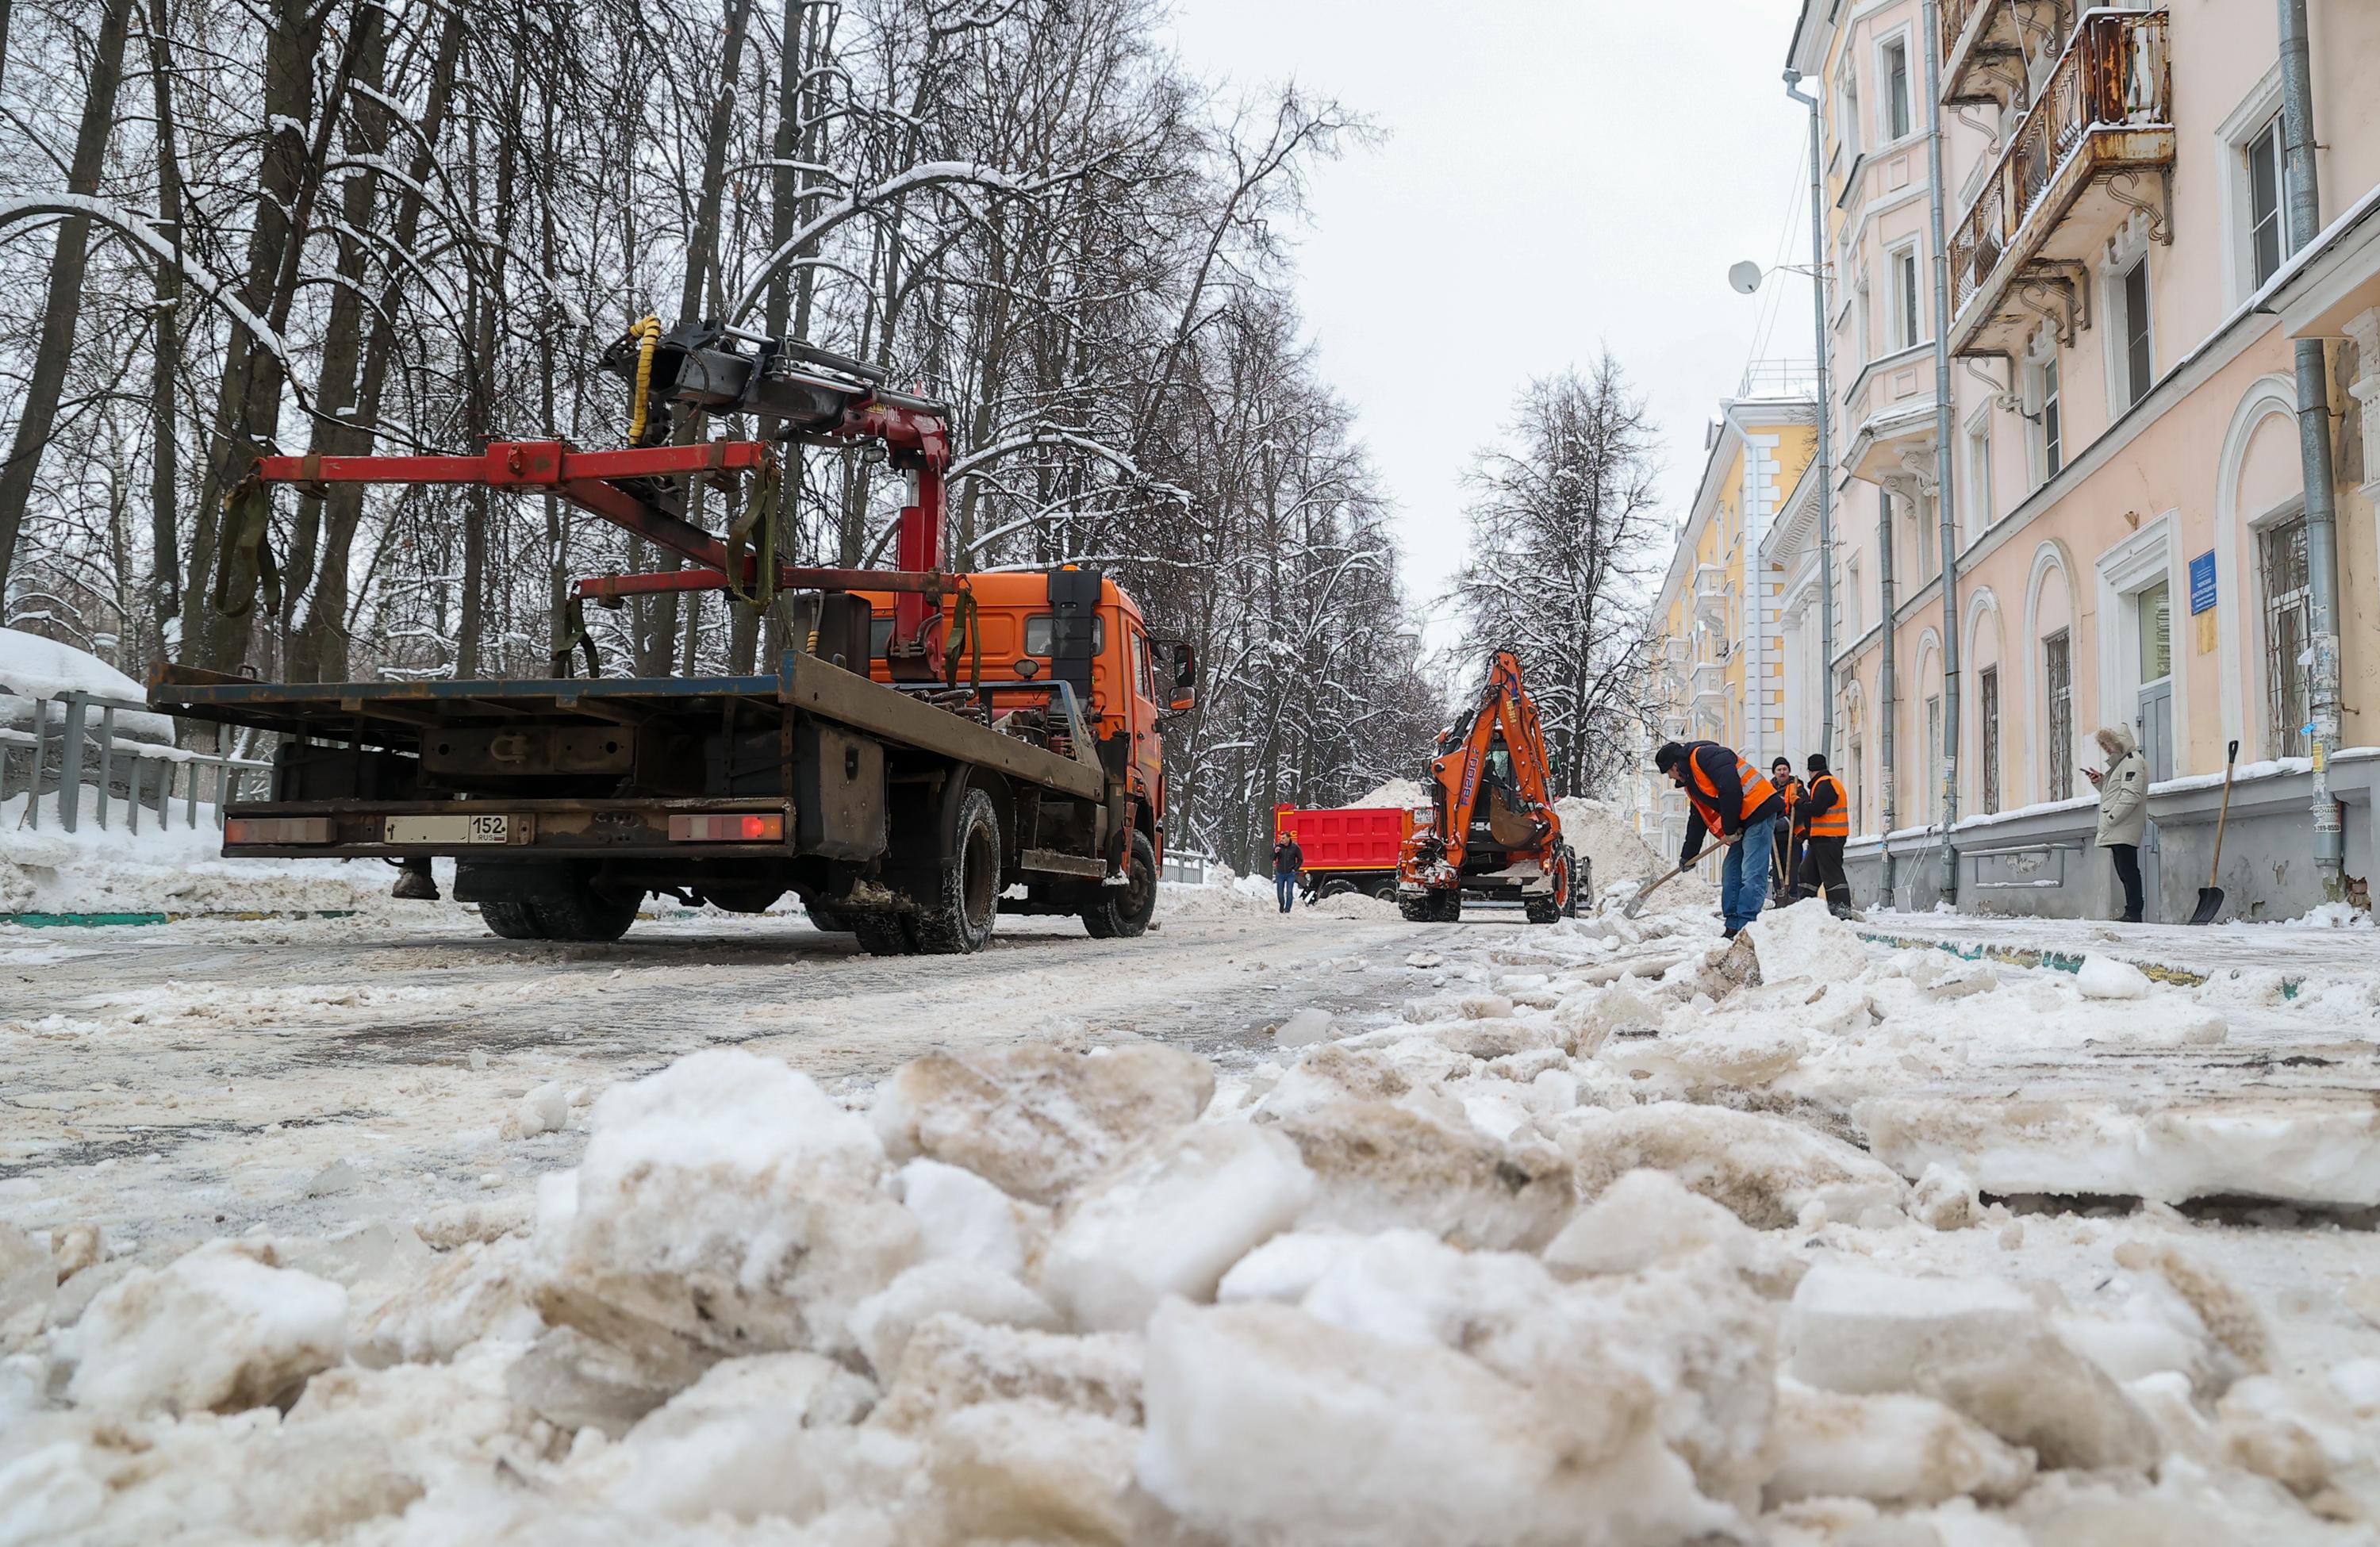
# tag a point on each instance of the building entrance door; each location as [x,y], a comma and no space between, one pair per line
[2153,725]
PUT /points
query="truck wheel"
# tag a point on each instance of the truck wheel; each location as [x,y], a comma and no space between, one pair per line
[826,917]
[1432,907]
[958,921]
[883,934]
[584,914]
[1123,912]
[513,921]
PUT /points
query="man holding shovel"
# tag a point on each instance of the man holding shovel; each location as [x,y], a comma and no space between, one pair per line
[1740,807]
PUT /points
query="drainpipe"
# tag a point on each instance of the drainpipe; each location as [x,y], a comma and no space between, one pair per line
[1944,416]
[2314,454]
[1825,445]
[1888,706]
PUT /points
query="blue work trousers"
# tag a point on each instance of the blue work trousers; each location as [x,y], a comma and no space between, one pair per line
[1743,874]
[1284,886]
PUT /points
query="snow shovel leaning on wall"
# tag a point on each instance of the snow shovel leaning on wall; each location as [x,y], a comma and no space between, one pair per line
[1636,902]
[2210,897]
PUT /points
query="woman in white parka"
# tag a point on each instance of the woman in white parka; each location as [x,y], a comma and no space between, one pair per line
[2123,810]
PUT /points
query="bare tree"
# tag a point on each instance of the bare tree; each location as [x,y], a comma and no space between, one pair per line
[1563,531]
[37,414]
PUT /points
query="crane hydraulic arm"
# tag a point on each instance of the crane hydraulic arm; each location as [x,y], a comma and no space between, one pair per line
[799,393]
[1493,828]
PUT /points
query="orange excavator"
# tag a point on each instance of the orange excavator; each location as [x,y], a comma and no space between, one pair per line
[1492,830]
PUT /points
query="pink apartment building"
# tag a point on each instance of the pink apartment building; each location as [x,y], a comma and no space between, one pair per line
[2127,475]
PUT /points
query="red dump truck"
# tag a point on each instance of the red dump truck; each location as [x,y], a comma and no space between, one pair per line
[1348,848]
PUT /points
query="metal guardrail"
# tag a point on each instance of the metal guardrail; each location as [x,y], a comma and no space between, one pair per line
[1187,866]
[73,743]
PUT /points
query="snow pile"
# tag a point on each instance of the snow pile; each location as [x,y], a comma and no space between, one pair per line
[1404,794]
[223,1329]
[1578,1247]
[165,870]
[1621,859]
[33,667]
[1244,897]
[2333,915]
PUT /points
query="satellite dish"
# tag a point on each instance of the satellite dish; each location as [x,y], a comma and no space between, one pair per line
[1745,276]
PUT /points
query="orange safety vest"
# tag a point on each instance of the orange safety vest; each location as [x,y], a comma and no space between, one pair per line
[1757,790]
[1835,821]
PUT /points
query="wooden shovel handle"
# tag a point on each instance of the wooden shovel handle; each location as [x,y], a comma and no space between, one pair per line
[2230,764]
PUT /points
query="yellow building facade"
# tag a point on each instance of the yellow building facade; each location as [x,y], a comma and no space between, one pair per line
[1716,670]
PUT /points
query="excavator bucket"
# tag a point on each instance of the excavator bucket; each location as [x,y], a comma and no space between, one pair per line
[1511,826]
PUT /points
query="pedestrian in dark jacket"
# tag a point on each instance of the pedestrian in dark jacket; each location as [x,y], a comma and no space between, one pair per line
[1287,860]
[1826,827]
[1738,807]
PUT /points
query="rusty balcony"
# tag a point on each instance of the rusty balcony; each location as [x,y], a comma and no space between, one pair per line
[1985,45]
[2095,145]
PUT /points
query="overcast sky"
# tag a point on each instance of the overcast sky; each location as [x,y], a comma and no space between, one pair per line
[1556,175]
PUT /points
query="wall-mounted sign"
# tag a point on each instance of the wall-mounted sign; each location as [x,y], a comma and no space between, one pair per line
[2202,582]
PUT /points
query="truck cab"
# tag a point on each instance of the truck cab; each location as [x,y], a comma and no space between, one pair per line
[1020,631]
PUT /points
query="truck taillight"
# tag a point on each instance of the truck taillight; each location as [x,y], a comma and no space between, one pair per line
[740,828]
[277,830]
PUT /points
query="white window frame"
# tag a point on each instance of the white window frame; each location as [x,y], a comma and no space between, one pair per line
[1907,302]
[2127,252]
[1976,491]
[1925,537]
[1934,756]
[1906,38]
[2235,134]
[1847,119]
[1863,308]
[2041,360]
[1855,599]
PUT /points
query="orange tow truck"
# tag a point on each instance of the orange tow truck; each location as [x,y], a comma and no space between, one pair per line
[939,747]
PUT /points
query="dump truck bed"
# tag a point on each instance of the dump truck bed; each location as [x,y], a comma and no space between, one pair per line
[1346,837]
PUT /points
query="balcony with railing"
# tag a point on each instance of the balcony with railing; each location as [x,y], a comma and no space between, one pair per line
[1709,683]
[1983,45]
[2095,145]
[1710,594]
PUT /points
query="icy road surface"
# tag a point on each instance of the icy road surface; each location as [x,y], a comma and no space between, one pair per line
[1331,1230]
[199,1079]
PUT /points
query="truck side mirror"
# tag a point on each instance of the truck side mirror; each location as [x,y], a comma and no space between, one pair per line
[1185,676]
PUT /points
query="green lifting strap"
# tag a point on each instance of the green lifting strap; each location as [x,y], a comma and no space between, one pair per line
[247,548]
[574,636]
[759,512]
[964,632]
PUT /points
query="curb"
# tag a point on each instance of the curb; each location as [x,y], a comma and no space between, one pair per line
[2062,961]
[110,921]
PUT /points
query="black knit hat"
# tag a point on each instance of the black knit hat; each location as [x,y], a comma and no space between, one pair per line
[1669,757]
[1817,763]
[1784,763]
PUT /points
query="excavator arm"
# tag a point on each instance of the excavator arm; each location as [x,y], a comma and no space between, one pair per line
[1468,779]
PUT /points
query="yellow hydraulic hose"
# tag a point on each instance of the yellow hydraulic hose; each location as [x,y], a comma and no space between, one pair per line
[647,334]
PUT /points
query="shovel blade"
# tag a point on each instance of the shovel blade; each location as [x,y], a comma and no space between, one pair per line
[2210,903]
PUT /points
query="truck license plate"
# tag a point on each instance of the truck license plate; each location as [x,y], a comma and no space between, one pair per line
[494,828]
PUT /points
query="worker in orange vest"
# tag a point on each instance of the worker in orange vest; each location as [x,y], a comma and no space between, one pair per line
[1740,807]
[1826,826]
[1788,827]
